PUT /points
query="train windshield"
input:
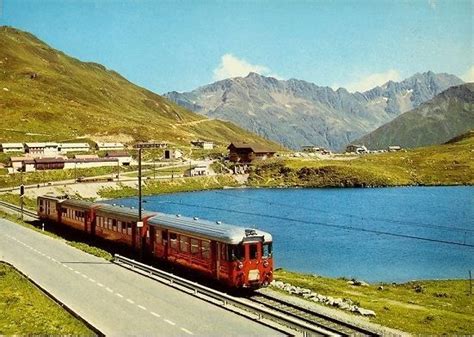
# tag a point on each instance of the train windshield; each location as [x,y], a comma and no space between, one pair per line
[267,249]
[236,252]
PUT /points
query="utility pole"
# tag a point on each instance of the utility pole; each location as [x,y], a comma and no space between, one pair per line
[140,147]
[22,192]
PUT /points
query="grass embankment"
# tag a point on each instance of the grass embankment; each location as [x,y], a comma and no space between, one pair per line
[174,186]
[421,307]
[449,164]
[27,311]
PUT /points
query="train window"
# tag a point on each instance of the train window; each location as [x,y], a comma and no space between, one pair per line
[63,211]
[236,252]
[223,252]
[267,250]
[183,244]
[158,236]
[205,249]
[252,251]
[119,226]
[129,228]
[114,224]
[174,240]
[195,247]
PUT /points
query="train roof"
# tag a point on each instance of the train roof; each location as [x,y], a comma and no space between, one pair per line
[121,211]
[77,203]
[217,230]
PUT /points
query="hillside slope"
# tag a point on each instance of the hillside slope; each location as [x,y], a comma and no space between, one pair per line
[448,164]
[296,112]
[47,95]
[434,122]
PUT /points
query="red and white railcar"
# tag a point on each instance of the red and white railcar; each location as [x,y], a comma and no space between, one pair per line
[236,256]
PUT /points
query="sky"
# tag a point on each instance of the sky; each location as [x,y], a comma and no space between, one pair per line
[181,45]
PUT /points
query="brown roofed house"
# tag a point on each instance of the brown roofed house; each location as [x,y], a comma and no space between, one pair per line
[248,152]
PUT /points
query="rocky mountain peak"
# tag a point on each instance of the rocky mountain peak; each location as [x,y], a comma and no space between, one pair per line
[296,112]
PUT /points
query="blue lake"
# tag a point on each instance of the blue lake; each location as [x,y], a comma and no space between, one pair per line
[384,234]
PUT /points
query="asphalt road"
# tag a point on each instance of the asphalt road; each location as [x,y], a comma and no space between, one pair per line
[114,300]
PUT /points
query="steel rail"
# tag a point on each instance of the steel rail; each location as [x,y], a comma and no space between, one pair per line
[223,299]
[18,209]
[311,316]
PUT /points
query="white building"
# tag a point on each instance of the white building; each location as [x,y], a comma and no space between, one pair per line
[355,148]
[16,163]
[203,144]
[89,162]
[74,147]
[123,157]
[173,154]
[42,149]
[12,147]
[199,170]
[109,146]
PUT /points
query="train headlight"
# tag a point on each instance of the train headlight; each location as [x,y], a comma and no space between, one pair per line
[265,263]
[240,265]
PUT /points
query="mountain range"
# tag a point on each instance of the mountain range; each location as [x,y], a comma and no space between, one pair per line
[47,95]
[295,112]
[436,121]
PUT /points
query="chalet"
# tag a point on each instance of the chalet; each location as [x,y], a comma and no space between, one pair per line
[123,157]
[11,147]
[48,163]
[354,148]
[247,152]
[74,147]
[42,149]
[109,146]
[203,144]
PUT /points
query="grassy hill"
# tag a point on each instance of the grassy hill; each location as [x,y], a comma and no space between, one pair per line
[448,164]
[434,122]
[47,95]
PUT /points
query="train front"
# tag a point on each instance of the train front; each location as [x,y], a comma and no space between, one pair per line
[253,261]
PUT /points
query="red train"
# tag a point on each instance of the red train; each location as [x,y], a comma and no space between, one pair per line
[236,256]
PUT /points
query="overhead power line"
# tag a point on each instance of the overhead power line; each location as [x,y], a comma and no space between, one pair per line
[374,231]
[400,222]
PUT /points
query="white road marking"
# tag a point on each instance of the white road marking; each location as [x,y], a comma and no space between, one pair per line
[109,290]
[100,284]
[169,322]
[92,280]
[76,272]
[69,268]
[119,295]
[154,314]
[64,265]
[53,259]
[187,331]
[141,307]
[130,301]
[84,275]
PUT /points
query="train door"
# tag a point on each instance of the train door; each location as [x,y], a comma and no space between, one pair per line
[215,259]
[223,266]
[252,257]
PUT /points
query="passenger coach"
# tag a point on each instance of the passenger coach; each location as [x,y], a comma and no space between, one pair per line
[236,256]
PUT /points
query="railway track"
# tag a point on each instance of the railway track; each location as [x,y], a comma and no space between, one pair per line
[312,323]
[311,317]
[17,209]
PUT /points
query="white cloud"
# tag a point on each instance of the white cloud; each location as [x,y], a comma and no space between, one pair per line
[373,80]
[232,66]
[468,76]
